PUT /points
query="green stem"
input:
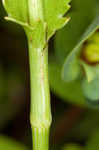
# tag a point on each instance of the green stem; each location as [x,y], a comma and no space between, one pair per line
[40,116]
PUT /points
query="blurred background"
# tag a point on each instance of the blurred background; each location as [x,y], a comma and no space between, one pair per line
[75,126]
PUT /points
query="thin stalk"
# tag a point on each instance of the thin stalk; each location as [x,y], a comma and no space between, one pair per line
[40,116]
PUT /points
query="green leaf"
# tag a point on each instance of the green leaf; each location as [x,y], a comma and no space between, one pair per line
[29,13]
[90,82]
[71,92]
[54,12]
[17,10]
[91,89]
[91,71]
[72,74]
[84,22]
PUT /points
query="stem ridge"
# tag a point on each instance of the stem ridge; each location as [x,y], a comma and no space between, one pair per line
[40,116]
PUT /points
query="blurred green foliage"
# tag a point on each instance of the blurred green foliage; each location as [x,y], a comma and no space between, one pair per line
[68,47]
[7,144]
[93,143]
[72,147]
